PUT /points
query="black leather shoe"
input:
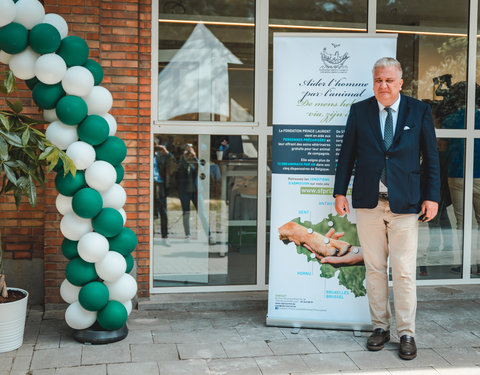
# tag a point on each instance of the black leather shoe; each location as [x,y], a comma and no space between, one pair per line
[378,339]
[408,349]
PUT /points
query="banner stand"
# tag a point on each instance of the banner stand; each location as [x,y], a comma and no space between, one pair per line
[316,78]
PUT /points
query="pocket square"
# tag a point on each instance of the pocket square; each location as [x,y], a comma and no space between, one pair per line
[406,128]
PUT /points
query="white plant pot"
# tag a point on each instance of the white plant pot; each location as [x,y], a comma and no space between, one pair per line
[12,323]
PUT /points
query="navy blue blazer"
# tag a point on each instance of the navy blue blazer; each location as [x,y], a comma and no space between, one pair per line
[363,148]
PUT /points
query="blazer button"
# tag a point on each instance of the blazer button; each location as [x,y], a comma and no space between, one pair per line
[386,157]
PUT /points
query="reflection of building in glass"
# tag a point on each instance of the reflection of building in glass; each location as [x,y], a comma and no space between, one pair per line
[195,83]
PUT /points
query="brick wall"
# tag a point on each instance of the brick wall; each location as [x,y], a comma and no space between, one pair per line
[118,34]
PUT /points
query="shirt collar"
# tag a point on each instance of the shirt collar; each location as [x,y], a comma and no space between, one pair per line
[394,106]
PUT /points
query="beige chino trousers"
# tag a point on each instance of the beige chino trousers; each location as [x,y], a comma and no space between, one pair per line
[382,234]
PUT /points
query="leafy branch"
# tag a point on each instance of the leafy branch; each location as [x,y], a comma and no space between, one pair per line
[26,156]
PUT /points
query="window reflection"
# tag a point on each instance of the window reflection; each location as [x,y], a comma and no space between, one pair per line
[441,240]
[206,69]
[205,209]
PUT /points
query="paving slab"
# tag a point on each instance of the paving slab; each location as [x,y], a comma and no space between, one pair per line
[462,370]
[279,365]
[6,363]
[48,341]
[366,360]
[142,368]
[162,337]
[460,356]
[336,343]
[416,371]
[83,370]
[329,362]
[20,362]
[153,352]
[185,367]
[260,333]
[111,353]
[247,349]
[59,357]
[292,346]
[201,350]
[236,366]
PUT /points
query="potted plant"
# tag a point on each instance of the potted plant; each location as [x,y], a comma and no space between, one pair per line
[25,158]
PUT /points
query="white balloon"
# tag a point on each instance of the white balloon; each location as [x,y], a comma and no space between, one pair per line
[61,135]
[74,227]
[29,13]
[5,57]
[112,123]
[124,215]
[82,154]
[93,247]
[23,64]
[69,292]
[50,68]
[7,12]
[78,81]
[111,267]
[101,175]
[128,306]
[58,22]
[64,204]
[99,101]
[50,115]
[122,290]
[79,318]
[114,197]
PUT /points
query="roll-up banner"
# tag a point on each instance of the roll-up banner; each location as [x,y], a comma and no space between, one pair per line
[316,78]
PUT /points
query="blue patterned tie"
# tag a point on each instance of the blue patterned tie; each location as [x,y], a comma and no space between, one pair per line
[387,139]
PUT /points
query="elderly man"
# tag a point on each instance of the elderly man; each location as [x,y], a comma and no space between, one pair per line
[385,137]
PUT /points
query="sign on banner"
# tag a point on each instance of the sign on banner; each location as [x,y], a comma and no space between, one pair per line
[316,78]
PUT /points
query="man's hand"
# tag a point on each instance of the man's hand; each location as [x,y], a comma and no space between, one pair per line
[429,209]
[341,205]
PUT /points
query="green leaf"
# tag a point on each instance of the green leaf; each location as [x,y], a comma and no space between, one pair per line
[32,192]
[16,106]
[18,197]
[5,122]
[12,138]
[9,82]
[10,174]
[3,149]
[25,137]
[45,153]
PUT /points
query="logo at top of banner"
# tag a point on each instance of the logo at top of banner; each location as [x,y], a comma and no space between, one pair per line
[334,62]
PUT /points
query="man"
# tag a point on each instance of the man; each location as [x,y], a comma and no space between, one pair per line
[164,168]
[385,137]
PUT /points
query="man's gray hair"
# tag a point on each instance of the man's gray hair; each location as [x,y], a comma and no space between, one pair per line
[386,62]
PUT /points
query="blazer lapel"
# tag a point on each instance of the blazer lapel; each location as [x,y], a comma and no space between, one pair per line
[402,117]
[374,121]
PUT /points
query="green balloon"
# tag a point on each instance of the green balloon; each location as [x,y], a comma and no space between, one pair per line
[71,110]
[69,185]
[74,50]
[46,96]
[125,242]
[44,38]
[13,38]
[95,69]
[59,167]
[113,316]
[32,82]
[113,150]
[79,272]
[130,263]
[87,203]
[94,130]
[93,296]
[69,248]
[120,173]
[109,222]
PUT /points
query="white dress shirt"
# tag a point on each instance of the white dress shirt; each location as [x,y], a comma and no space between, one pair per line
[383,117]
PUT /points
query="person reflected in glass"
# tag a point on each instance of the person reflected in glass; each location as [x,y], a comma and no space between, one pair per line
[187,175]
[164,168]
[224,148]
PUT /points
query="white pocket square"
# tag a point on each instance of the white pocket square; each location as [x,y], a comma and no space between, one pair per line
[406,128]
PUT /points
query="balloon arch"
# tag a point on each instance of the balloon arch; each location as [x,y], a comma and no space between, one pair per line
[65,84]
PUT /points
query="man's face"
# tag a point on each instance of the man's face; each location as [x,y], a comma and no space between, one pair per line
[387,84]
